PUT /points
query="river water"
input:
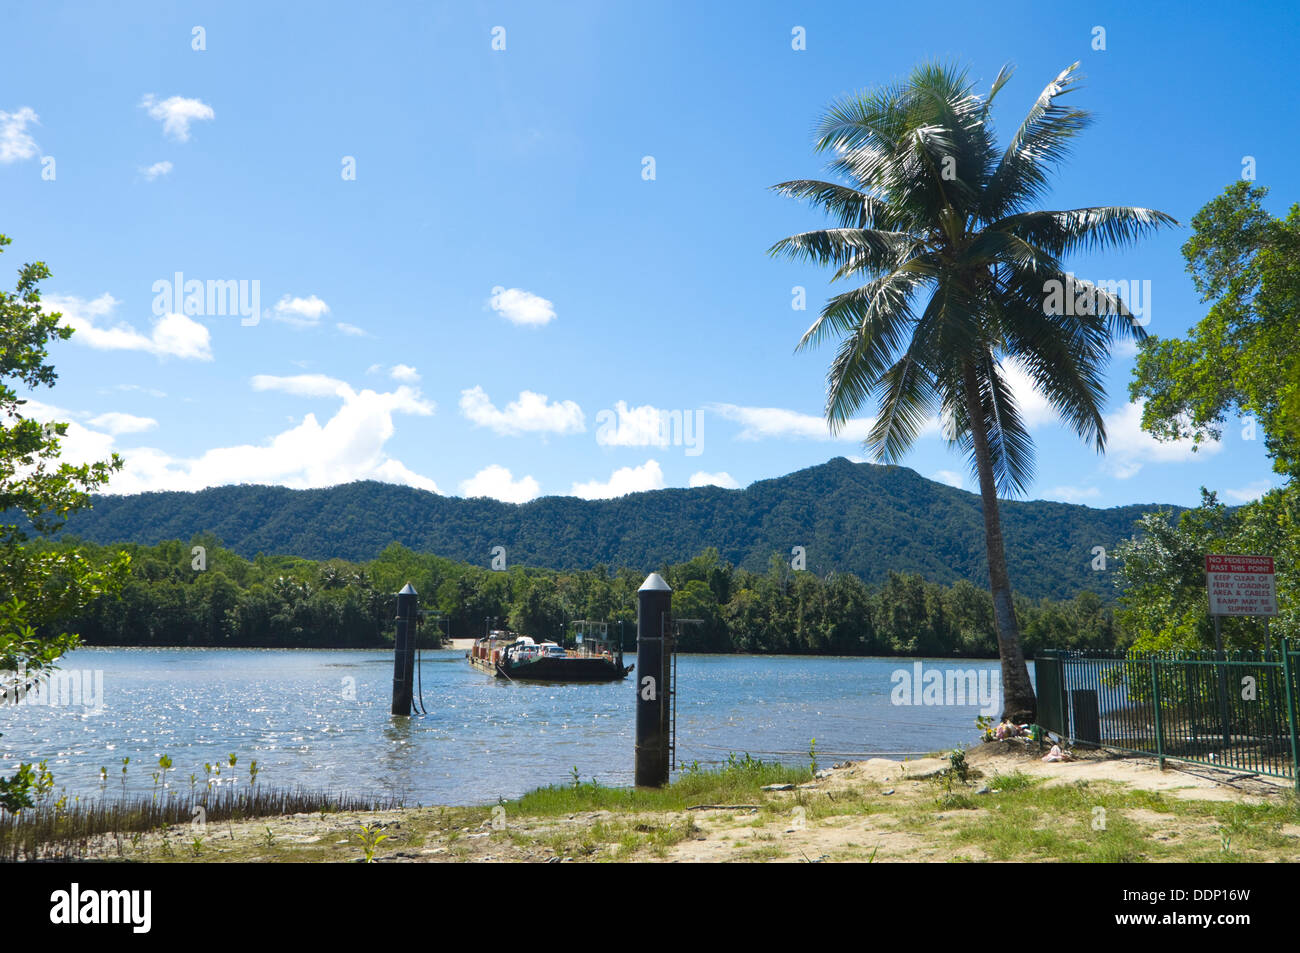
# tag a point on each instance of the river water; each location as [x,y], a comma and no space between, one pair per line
[319,720]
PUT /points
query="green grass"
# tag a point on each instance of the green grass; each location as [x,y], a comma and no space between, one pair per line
[1005,783]
[1021,818]
[1030,821]
[738,783]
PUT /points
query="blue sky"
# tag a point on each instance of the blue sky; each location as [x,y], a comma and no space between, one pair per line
[500,301]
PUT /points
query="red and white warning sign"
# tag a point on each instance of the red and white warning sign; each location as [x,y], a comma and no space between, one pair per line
[1241,585]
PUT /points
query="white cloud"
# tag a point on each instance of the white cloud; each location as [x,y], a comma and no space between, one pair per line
[405,374]
[155,170]
[1129,447]
[496,481]
[300,312]
[1249,493]
[16,142]
[394,471]
[151,391]
[722,479]
[521,307]
[118,423]
[1125,348]
[351,329]
[1073,494]
[1034,407]
[302,385]
[172,335]
[625,480]
[950,477]
[531,413]
[348,446]
[176,113]
[759,423]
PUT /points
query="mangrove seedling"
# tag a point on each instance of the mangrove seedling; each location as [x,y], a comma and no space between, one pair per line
[370,839]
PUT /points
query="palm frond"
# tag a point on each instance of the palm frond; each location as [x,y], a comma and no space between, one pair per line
[874,310]
[825,246]
[849,207]
[1011,449]
[868,118]
[1064,362]
[1041,141]
[924,199]
[907,401]
[1084,229]
[1007,248]
[1004,76]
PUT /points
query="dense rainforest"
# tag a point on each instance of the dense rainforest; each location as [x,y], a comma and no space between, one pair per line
[863,519]
[201,594]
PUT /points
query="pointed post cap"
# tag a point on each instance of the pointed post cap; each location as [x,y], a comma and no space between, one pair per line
[408,590]
[655,583]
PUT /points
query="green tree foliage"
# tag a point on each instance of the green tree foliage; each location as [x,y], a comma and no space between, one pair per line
[38,491]
[955,271]
[1244,355]
[1165,605]
[290,602]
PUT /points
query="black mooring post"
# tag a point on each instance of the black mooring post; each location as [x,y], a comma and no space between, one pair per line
[654,608]
[404,650]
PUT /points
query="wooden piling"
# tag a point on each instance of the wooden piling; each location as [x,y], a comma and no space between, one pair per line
[653,688]
[404,651]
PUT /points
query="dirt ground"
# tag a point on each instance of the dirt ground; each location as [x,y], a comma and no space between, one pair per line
[847,837]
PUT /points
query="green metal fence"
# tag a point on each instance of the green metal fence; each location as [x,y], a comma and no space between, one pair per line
[1231,710]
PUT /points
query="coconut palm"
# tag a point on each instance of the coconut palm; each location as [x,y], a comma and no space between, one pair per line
[955,297]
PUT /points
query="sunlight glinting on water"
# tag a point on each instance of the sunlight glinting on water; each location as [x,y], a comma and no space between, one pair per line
[320,720]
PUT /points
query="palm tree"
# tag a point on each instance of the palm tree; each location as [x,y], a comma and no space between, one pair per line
[959,270]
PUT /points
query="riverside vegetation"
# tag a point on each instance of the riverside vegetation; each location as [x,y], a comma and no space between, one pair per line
[993,802]
[283,601]
[38,823]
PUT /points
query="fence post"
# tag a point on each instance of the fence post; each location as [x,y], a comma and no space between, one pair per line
[1160,730]
[1288,688]
[1222,680]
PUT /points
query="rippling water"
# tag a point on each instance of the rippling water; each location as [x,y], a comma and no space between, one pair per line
[320,719]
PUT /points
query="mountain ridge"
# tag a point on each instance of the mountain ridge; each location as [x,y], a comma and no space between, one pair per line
[850,517]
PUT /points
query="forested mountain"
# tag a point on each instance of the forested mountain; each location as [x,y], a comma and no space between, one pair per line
[859,518]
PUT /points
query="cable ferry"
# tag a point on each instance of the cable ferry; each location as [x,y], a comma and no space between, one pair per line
[592,658]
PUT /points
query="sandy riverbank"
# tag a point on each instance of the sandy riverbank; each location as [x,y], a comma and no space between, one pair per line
[1015,807]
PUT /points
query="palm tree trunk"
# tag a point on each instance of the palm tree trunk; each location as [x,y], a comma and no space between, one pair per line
[1018,701]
